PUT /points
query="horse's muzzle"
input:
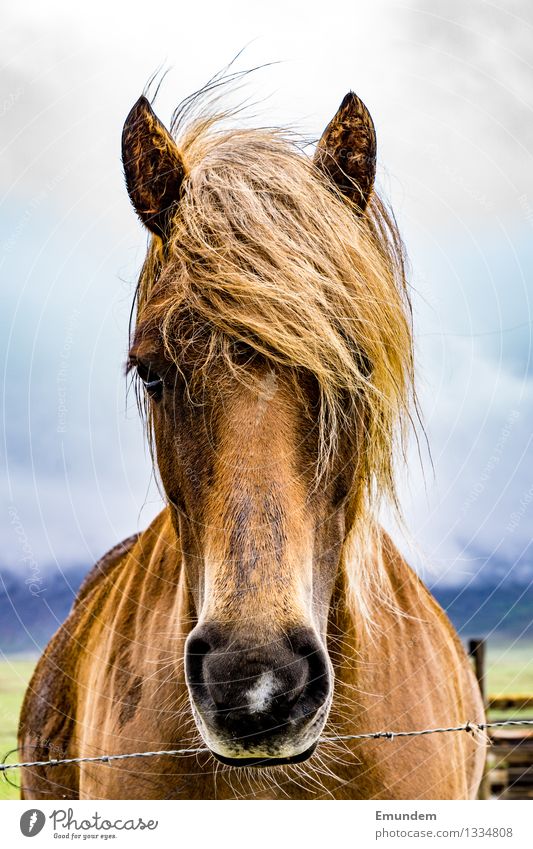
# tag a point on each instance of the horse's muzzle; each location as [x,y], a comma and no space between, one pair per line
[260,704]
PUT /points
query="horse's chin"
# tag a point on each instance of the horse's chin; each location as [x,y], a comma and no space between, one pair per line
[266,761]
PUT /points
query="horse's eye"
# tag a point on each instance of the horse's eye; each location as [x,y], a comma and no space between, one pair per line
[153,382]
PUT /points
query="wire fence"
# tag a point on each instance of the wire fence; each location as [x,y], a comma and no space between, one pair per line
[471,727]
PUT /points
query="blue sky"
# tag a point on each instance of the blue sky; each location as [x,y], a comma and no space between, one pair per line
[450,90]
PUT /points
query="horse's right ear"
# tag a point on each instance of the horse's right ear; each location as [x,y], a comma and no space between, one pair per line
[153,167]
[346,153]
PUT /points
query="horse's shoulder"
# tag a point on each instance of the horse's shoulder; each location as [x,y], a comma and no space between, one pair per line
[412,595]
[53,686]
[108,566]
[410,592]
[105,566]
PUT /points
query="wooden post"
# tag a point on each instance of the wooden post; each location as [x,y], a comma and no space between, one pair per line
[477,650]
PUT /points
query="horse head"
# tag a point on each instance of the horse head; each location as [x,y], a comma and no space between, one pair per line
[272,341]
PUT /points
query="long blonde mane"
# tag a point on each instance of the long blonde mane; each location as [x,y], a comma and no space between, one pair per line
[264,251]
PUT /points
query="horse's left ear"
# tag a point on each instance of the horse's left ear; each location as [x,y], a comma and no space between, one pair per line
[153,167]
[347,151]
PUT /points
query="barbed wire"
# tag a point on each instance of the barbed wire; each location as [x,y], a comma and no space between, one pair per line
[390,735]
[471,727]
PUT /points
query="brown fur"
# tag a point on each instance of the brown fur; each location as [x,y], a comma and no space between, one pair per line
[273,338]
[414,675]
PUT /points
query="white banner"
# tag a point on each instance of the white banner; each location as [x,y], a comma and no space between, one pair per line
[232,825]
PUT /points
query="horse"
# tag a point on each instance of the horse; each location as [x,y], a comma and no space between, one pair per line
[265,617]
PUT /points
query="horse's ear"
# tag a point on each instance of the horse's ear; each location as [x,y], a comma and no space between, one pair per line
[346,153]
[153,167]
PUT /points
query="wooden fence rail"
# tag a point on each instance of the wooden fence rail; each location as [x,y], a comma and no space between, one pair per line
[510,701]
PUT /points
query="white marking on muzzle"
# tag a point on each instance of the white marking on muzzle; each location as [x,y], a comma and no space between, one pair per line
[260,695]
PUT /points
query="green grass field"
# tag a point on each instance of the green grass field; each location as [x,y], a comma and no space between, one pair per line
[509,670]
[14,677]
[510,667]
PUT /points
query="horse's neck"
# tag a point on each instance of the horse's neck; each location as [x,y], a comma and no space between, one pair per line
[362,636]
[342,632]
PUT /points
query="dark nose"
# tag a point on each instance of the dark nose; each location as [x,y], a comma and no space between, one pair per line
[254,691]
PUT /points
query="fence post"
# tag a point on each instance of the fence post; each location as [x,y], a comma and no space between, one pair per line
[477,650]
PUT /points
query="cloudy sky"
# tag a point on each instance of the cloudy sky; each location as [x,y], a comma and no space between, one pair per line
[450,89]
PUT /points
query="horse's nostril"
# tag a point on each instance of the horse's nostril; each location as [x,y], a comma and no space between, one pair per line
[196,650]
[317,685]
[198,647]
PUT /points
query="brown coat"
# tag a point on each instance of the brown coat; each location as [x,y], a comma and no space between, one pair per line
[111,680]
